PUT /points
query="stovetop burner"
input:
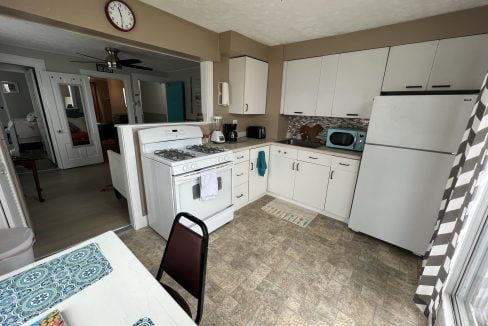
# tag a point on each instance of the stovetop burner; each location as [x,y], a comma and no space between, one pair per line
[174,154]
[207,149]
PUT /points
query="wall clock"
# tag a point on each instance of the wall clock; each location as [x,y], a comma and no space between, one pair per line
[120,15]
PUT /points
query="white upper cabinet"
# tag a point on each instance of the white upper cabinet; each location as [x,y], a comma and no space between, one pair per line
[248,79]
[359,79]
[327,83]
[460,63]
[300,86]
[409,67]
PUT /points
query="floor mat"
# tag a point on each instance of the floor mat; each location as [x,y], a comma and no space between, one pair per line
[289,212]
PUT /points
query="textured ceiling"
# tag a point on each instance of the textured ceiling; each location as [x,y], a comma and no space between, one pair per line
[20,33]
[275,22]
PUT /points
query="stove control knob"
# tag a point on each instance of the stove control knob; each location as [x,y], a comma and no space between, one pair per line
[185,168]
[193,166]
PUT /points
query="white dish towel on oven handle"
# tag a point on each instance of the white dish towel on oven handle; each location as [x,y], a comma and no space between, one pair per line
[209,186]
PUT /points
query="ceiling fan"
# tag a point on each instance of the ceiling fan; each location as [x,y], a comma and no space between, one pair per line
[112,60]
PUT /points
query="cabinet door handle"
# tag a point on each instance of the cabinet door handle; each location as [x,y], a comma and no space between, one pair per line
[252,166]
[344,164]
[413,86]
[441,86]
[239,157]
[247,107]
[352,114]
[313,158]
[298,165]
[298,112]
[240,196]
[331,174]
[240,174]
[293,166]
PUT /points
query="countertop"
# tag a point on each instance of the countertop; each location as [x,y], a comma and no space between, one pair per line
[249,143]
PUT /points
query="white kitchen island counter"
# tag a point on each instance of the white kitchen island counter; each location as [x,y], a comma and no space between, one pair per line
[121,294]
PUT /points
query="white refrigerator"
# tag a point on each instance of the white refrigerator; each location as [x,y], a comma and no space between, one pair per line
[409,152]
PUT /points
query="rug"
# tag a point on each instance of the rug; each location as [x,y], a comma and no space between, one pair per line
[289,212]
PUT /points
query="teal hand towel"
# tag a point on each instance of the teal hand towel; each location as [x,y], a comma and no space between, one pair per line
[261,163]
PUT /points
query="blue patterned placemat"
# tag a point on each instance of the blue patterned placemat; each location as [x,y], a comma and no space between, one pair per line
[146,321]
[30,293]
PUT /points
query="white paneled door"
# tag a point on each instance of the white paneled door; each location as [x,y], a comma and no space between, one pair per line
[72,119]
[13,211]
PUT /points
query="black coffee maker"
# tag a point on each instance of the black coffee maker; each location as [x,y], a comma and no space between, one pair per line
[230,132]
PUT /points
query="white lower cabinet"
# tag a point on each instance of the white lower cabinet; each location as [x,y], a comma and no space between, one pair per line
[240,179]
[281,176]
[247,184]
[240,195]
[257,184]
[326,185]
[311,184]
[340,193]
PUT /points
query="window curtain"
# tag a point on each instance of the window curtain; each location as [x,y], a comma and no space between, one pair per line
[461,186]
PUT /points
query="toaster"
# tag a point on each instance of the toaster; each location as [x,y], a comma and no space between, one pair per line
[256,132]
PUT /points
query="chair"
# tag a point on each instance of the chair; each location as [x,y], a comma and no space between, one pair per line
[185,260]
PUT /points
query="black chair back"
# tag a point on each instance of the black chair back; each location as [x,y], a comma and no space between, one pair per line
[185,258]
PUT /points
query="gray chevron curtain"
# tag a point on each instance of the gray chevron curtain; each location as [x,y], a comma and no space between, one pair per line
[461,187]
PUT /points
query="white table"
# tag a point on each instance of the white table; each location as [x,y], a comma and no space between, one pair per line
[122,297]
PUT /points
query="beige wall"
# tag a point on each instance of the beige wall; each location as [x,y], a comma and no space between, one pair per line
[461,23]
[155,29]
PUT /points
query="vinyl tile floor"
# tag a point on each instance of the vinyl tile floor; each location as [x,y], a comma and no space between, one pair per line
[266,271]
[78,205]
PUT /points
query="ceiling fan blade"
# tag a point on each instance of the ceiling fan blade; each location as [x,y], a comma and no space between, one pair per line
[100,62]
[129,61]
[138,67]
[89,56]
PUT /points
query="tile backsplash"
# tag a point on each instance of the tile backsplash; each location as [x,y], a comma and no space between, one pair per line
[296,122]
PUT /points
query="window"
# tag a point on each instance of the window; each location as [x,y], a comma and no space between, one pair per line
[471,296]
[9,87]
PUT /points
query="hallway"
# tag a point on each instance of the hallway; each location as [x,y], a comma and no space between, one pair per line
[78,206]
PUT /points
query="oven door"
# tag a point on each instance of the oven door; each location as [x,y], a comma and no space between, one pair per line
[187,192]
[341,139]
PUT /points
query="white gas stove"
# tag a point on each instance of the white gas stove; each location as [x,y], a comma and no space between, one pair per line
[173,158]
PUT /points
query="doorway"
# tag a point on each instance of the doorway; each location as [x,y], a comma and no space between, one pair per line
[21,115]
[70,199]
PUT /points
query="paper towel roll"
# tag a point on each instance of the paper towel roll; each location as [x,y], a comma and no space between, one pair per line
[223,93]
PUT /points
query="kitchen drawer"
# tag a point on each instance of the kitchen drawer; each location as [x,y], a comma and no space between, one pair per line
[314,157]
[284,152]
[240,173]
[241,156]
[345,164]
[240,195]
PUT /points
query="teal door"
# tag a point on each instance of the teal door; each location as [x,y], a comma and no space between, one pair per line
[175,99]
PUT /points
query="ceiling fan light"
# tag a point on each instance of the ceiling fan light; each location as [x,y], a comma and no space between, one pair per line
[112,59]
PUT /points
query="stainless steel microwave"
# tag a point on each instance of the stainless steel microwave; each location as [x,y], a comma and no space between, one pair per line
[351,139]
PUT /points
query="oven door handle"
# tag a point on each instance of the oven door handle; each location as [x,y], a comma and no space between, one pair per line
[194,175]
